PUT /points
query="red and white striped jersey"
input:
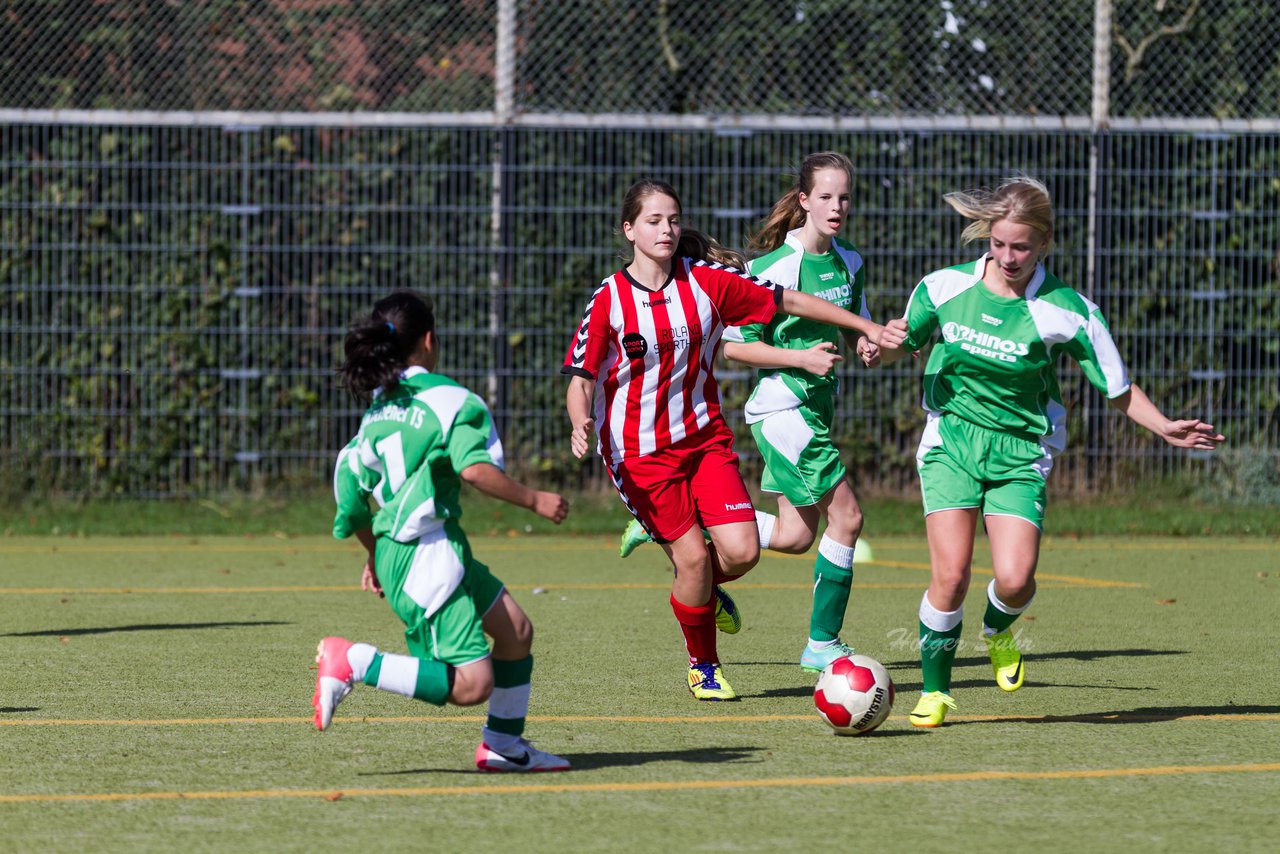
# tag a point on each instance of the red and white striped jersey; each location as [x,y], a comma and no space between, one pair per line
[651,353]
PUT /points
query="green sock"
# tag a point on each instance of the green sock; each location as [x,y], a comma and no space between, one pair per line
[421,678]
[937,654]
[995,617]
[997,620]
[831,585]
[509,703]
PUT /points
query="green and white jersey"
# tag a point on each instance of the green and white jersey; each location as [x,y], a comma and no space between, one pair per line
[836,276]
[411,446]
[994,364]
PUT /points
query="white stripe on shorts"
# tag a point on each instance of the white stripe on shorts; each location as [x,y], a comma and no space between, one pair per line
[787,433]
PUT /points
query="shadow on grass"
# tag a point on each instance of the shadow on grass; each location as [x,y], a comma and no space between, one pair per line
[1032,655]
[1146,715]
[141,627]
[770,693]
[9,710]
[903,687]
[908,687]
[591,761]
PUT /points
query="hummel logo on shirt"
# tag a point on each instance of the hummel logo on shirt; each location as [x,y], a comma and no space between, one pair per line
[651,303]
[994,321]
[745,505]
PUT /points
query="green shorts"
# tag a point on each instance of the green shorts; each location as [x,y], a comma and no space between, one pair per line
[800,460]
[440,592]
[963,465]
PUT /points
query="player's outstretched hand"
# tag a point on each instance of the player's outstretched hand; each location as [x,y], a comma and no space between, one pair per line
[820,359]
[892,335]
[551,505]
[580,438]
[869,353]
[1194,434]
[369,579]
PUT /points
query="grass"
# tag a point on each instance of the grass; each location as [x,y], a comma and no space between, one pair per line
[156,697]
[1160,512]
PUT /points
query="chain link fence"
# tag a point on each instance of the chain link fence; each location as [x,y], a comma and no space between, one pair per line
[173,299]
[197,197]
[1188,58]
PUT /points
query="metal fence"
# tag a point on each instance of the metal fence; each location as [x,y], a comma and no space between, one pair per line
[173,298]
[1188,58]
[195,199]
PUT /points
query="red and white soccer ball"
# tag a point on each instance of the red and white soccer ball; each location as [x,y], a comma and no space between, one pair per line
[854,694]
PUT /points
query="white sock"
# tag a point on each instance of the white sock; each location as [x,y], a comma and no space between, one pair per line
[819,646]
[399,674]
[765,522]
[838,553]
[360,656]
[939,621]
[503,742]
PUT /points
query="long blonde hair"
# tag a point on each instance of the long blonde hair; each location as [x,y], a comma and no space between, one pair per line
[787,214]
[693,243]
[1021,199]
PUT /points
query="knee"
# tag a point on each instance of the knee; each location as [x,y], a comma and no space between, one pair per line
[951,583]
[739,557]
[471,688]
[855,522]
[792,541]
[844,524]
[521,641]
[1016,592]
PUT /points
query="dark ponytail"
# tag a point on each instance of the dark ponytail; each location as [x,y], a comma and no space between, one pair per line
[377,347]
[704,247]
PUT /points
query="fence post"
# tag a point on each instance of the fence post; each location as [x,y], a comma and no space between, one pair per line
[499,230]
[1099,121]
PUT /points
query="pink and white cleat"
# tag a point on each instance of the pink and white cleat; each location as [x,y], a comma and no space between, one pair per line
[530,759]
[333,682]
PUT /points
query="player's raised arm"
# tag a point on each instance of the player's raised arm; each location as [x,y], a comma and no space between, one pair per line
[1192,434]
[816,308]
[819,360]
[495,483]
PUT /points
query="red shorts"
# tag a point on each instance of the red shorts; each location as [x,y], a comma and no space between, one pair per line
[695,481]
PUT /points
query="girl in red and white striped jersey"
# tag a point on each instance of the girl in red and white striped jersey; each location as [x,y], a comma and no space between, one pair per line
[641,363]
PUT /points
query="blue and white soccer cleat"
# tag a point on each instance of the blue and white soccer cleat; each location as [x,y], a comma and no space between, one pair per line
[816,660]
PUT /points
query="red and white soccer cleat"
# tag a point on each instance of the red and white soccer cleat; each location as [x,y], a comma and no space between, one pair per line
[333,682]
[530,758]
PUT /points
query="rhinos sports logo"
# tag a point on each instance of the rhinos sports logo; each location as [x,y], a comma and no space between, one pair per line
[841,295]
[982,343]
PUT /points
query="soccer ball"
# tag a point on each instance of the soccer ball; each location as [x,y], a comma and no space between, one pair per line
[854,694]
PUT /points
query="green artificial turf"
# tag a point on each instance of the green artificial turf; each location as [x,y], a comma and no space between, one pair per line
[156,696]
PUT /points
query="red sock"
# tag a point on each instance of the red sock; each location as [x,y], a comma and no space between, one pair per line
[699,627]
